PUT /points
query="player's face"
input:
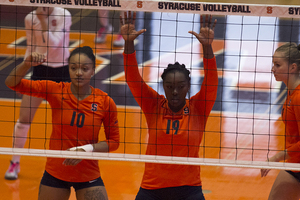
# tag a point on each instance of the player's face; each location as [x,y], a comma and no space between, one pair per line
[176,86]
[280,67]
[81,69]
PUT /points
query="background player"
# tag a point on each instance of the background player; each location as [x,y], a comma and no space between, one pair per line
[47,32]
[175,124]
[78,111]
[106,29]
[286,68]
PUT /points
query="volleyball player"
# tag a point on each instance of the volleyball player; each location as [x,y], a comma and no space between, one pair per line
[47,32]
[78,111]
[175,124]
[286,68]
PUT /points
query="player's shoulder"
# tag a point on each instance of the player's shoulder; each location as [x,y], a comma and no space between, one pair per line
[100,94]
[30,15]
[103,96]
[296,96]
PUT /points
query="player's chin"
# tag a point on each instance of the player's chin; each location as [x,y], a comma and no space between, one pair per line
[177,102]
[78,82]
[278,78]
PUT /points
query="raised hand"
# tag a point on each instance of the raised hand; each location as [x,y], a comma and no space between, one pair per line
[18,73]
[128,27]
[207,30]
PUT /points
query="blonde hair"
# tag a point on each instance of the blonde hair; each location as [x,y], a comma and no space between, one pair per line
[290,52]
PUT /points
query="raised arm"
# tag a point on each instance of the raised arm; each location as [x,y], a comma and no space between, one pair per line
[142,93]
[206,97]
[18,73]
[128,31]
[206,35]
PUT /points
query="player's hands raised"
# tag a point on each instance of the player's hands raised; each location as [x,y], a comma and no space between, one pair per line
[128,27]
[207,30]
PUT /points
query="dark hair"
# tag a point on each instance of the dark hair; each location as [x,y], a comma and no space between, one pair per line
[88,51]
[176,67]
[291,52]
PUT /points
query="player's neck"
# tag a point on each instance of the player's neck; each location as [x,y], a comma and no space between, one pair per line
[292,83]
[81,92]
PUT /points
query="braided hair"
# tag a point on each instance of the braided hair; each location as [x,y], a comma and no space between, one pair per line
[176,67]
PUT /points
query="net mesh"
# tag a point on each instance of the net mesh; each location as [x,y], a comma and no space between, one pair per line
[244,128]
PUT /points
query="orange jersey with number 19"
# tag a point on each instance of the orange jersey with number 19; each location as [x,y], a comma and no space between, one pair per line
[172,134]
[75,123]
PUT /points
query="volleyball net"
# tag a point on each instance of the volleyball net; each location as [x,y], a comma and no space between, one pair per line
[243,130]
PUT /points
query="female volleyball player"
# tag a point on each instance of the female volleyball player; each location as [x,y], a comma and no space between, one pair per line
[175,124]
[47,32]
[78,110]
[286,68]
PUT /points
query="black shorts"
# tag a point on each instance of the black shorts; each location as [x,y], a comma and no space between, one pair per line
[59,74]
[294,174]
[171,193]
[51,181]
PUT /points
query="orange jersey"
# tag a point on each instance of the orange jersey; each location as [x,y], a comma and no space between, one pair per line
[170,134]
[75,123]
[291,117]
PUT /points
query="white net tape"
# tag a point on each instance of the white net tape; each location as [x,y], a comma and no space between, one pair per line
[149,158]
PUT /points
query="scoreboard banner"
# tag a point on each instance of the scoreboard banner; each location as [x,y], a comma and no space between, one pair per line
[168,6]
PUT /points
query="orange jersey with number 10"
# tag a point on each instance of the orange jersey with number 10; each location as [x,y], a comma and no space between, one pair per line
[75,123]
[172,134]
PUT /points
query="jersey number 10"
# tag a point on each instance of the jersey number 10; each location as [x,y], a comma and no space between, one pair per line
[79,121]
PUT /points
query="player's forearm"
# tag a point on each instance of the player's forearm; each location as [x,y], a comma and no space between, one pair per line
[280,156]
[132,74]
[207,51]
[129,47]
[17,74]
[44,24]
[210,81]
[101,147]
